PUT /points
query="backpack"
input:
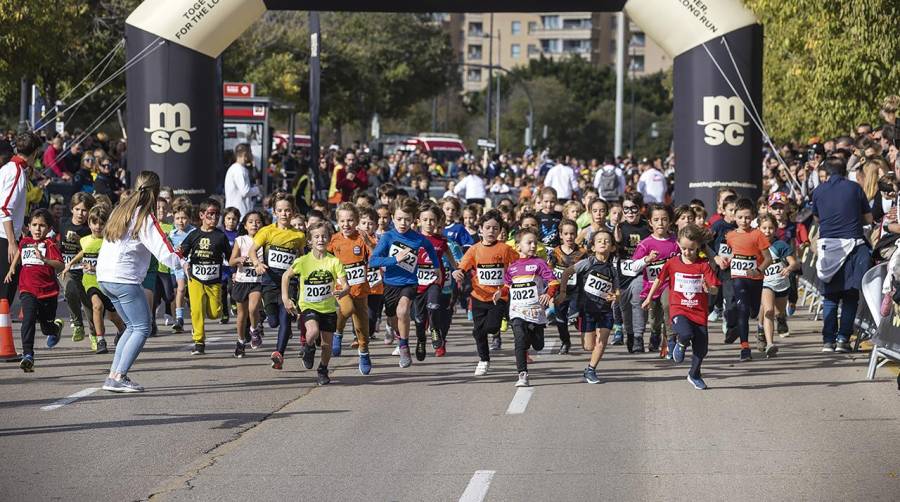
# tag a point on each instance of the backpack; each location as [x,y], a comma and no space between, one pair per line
[609,184]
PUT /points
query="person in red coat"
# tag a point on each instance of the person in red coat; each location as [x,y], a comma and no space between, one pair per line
[351,178]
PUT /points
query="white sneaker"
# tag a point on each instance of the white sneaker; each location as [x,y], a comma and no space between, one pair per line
[523,379]
[482,368]
[396,351]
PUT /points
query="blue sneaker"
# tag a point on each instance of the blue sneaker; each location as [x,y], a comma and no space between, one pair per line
[336,345]
[698,383]
[365,363]
[791,309]
[678,353]
[670,345]
[27,363]
[590,375]
[52,340]
[618,336]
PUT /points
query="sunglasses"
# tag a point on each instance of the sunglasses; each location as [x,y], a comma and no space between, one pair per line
[630,209]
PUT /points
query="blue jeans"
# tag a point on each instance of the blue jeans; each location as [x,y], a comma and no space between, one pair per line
[848,300]
[131,305]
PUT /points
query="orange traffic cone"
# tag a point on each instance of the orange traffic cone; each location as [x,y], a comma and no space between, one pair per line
[7,345]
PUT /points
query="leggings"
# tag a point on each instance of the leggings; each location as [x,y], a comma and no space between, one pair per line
[694,335]
[526,335]
[744,306]
[633,317]
[76,297]
[358,308]
[562,320]
[37,310]
[487,317]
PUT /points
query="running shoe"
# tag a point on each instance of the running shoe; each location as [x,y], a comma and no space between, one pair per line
[746,355]
[638,345]
[420,349]
[309,356]
[101,347]
[93,340]
[27,363]
[670,347]
[504,325]
[178,326]
[496,344]
[654,343]
[405,358]
[322,376]
[698,382]
[435,339]
[590,375]
[77,333]
[130,385]
[782,329]
[388,335]
[523,379]
[278,360]
[791,309]
[828,347]
[224,319]
[771,350]
[482,368]
[564,349]
[396,351]
[843,347]
[730,334]
[678,353]
[255,339]
[336,344]
[239,350]
[365,363]
[52,340]
[714,315]
[440,351]
[618,337]
[125,385]
[199,349]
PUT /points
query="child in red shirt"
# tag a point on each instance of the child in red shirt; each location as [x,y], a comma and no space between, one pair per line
[39,290]
[691,281]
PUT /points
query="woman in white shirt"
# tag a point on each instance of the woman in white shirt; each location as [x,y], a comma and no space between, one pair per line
[130,237]
[473,187]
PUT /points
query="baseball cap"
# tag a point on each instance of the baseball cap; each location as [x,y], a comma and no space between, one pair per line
[778,198]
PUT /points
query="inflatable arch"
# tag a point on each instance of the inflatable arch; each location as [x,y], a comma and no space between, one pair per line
[174,103]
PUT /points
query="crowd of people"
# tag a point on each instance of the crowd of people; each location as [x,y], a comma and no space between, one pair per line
[597,247]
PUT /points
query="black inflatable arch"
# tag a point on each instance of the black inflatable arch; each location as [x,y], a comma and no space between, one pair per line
[174,112]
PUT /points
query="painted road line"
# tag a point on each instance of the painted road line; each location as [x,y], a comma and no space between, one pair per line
[478,486]
[520,401]
[208,341]
[70,399]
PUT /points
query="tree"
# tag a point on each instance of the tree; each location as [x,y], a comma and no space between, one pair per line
[828,64]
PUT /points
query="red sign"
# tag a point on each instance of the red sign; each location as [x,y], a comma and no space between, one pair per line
[238,90]
[245,112]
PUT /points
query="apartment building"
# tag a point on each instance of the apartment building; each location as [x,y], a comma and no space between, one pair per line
[520,37]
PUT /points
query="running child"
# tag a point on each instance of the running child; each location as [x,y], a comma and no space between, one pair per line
[454,229]
[397,251]
[530,286]
[796,236]
[599,210]
[352,249]
[230,221]
[776,284]
[721,223]
[549,217]
[164,293]
[368,222]
[691,281]
[430,299]
[181,218]
[205,250]
[628,234]
[567,254]
[38,289]
[246,289]
[488,260]
[70,245]
[318,272]
[597,284]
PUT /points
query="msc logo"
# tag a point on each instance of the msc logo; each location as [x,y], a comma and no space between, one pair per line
[170,127]
[723,120]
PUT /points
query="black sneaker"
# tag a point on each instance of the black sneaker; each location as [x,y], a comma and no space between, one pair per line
[309,356]
[199,349]
[731,334]
[420,349]
[654,343]
[843,347]
[564,349]
[101,347]
[746,355]
[782,327]
[224,319]
[496,344]
[239,350]
[638,345]
[436,341]
[322,376]
[178,326]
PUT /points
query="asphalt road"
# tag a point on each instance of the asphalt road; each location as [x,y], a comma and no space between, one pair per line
[802,426]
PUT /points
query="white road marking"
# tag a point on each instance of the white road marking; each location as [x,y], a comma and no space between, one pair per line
[70,399]
[478,486]
[208,341]
[520,401]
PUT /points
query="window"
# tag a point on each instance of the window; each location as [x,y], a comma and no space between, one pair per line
[576,46]
[516,27]
[515,51]
[473,52]
[476,30]
[576,24]
[550,46]
[638,39]
[533,50]
[532,26]
[550,22]
[637,63]
[473,75]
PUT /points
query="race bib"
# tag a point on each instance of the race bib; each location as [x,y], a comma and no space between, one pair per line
[314,293]
[490,274]
[688,283]
[206,272]
[92,263]
[774,269]
[356,273]
[246,274]
[67,258]
[741,265]
[725,250]
[654,269]
[598,285]
[409,261]
[280,258]
[626,267]
[373,276]
[30,256]
[559,271]
[426,275]
[523,294]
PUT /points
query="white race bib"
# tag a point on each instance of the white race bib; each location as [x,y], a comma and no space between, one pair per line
[29,254]
[409,261]
[559,271]
[356,273]
[373,276]
[280,258]
[654,269]
[67,258]
[93,264]
[742,265]
[490,275]
[426,275]
[597,285]
[205,272]
[246,274]
[626,267]
[725,250]
[688,283]
[523,294]
[313,293]
[774,269]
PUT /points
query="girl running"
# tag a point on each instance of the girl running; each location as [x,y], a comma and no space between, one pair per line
[531,286]
[692,282]
[487,262]
[776,284]
[230,221]
[318,272]
[70,245]
[430,299]
[182,220]
[649,257]
[567,254]
[597,284]
[246,289]
[397,252]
